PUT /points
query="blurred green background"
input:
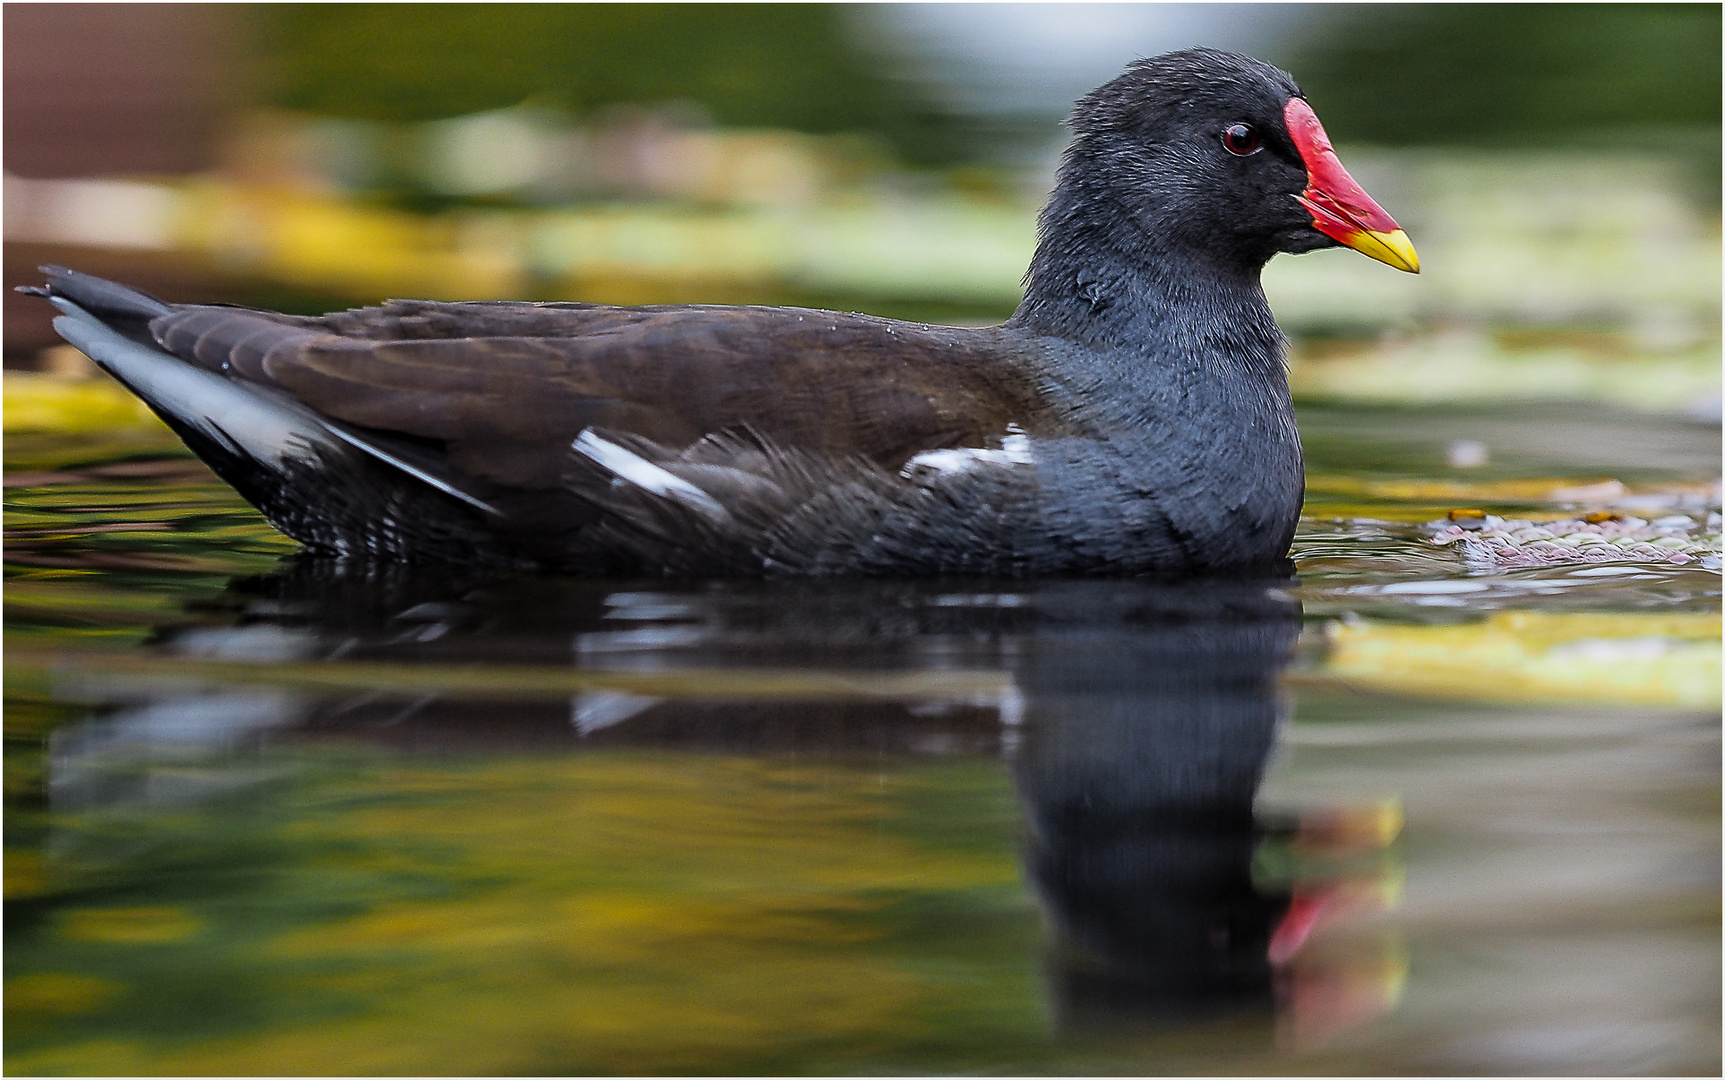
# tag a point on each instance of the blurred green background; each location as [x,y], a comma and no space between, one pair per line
[1557,166]
[1509,75]
[374,903]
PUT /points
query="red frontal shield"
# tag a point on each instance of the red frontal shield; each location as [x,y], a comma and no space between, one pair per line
[1340,208]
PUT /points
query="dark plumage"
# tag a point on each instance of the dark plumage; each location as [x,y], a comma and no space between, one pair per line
[1132,416]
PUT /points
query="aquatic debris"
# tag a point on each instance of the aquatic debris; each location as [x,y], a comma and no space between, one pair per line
[1487,541]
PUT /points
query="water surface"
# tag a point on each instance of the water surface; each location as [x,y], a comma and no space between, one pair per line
[267,814]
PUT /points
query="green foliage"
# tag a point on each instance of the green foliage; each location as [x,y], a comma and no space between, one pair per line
[1511,74]
[767,65]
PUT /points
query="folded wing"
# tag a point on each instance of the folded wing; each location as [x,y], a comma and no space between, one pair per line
[503,390]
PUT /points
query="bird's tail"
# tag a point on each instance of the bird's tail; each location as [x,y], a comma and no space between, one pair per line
[252,436]
[121,307]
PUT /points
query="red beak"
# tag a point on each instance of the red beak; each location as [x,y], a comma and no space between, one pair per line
[1340,208]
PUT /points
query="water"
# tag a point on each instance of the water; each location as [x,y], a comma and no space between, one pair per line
[1390,815]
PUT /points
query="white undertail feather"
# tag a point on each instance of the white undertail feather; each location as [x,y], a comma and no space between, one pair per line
[243,422]
[266,430]
[635,469]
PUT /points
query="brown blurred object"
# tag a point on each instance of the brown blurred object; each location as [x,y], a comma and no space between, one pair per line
[95,90]
[66,362]
[100,89]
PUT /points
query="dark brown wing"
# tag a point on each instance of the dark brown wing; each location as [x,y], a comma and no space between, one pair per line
[506,387]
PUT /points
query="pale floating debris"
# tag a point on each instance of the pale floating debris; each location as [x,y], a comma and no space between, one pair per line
[1488,541]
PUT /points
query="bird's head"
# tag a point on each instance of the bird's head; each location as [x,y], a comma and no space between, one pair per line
[1219,153]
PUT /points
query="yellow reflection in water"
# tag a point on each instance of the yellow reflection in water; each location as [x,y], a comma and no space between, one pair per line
[130,926]
[1631,658]
[53,992]
[616,914]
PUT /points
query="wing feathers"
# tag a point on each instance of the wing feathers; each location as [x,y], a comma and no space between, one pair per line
[508,387]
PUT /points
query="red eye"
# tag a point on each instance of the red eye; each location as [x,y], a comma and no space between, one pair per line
[1241,139]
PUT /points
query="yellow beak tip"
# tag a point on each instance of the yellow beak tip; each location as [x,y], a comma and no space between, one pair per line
[1391,248]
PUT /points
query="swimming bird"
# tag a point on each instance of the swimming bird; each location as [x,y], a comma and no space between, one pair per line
[1132,416]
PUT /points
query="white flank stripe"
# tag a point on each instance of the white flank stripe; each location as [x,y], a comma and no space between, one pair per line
[1014,450]
[644,474]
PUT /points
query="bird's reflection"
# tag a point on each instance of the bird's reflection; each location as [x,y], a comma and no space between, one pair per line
[1138,716]
[1146,738]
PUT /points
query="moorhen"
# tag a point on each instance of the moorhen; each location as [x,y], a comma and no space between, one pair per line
[1132,416]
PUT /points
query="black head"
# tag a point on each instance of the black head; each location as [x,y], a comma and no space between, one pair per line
[1192,145]
[1190,155]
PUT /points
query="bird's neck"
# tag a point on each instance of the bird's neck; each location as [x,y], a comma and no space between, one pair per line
[1128,283]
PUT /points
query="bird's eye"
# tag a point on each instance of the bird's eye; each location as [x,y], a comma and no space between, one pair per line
[1241,139]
